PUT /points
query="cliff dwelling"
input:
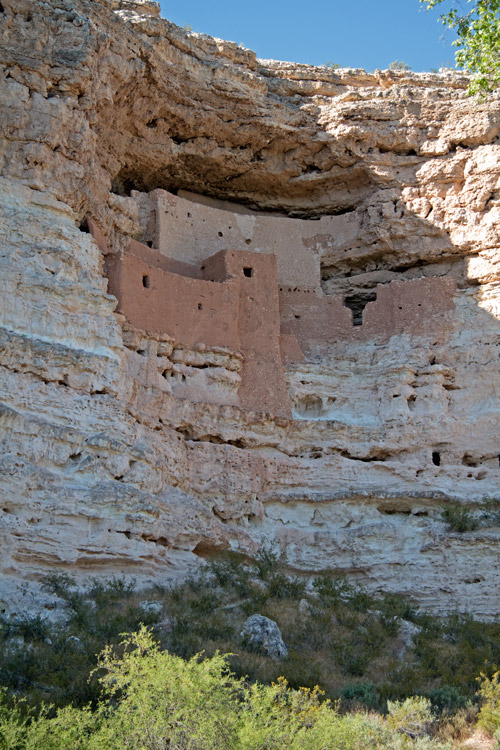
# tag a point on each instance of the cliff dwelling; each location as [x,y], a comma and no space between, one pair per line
[259,295]
[244,303]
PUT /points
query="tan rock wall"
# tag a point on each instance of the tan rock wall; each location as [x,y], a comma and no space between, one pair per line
[106,465]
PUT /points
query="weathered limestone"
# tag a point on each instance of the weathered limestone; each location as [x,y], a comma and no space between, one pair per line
[128,450]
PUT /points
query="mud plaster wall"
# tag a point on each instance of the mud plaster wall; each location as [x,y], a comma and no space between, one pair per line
[189,228]
[263,385]
[412,307]
[236,306]
[191,310]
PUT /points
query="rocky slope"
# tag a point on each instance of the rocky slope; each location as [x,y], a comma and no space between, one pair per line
[103,468]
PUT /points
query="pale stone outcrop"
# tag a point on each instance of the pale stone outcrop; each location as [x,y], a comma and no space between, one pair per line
[109,464]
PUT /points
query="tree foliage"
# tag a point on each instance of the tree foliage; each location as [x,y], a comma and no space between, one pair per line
[477,24]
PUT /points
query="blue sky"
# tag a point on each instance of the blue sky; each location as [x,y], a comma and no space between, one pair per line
[366,33]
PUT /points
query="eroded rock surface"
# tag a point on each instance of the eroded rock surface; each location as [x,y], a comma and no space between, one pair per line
[111,461]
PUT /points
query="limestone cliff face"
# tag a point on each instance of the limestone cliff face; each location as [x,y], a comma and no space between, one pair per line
[127,451]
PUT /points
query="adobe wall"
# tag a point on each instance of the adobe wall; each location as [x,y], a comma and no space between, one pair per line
[263,386]
[233,300]
[234,305]
[410,307]
[190,229]
[191,310]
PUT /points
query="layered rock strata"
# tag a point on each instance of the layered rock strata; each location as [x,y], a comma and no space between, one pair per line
[128,450]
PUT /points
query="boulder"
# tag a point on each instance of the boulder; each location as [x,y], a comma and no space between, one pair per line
[263,634]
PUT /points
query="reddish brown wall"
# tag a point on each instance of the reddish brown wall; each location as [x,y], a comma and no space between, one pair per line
[191,310]
[263,386]
[158,260]
[401,307]
[234,301]
[408,307]
[225,308]
[317,322]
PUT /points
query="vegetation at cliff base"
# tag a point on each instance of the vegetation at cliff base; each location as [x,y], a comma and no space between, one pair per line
[478,39]
[152,700]
[389,676]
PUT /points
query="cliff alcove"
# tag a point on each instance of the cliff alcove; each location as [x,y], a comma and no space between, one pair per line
[219,394]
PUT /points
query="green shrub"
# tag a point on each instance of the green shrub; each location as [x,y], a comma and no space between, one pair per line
[361,694]
[459,519]
[338,636]
[334,590]
[489,714]
[153,700]
[398,65]
[447,699]
[412,717]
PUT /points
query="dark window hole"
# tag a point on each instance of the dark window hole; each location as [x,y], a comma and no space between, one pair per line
[436,458]
[220,234]
[297,317]
[248,272]
[188,215]
[200,306]
[248,242]
[145,281]
[149,243]
[357,303]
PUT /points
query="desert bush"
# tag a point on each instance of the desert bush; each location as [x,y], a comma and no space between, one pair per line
[336,589]
[457,726]
[459,519]
[489,713]
[153,700]
[361,694]
[398,65]
[412,717]
[337,635]
[446,699]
